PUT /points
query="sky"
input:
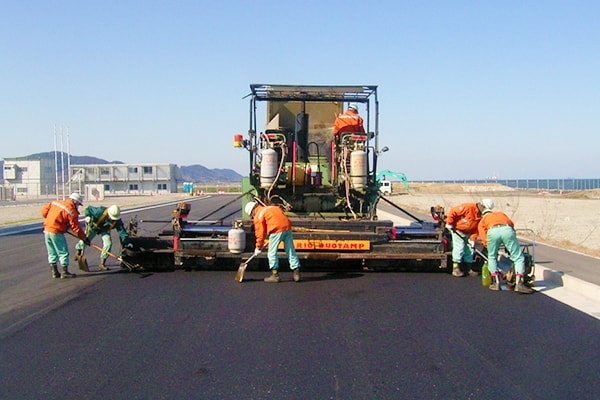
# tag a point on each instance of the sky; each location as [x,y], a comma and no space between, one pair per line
[467,89]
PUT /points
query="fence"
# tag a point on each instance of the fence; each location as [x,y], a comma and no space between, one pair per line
[566,184]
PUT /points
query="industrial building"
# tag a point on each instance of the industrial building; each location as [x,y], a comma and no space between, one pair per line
[25,176]
[43,176]
[125,178]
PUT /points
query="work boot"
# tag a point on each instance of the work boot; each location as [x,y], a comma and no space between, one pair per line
[296,275]
[456,271]
[472,272]
[273,278]
[495,285]
[521,287]
[54,269]
[66,274]
[511,279]
[102,267]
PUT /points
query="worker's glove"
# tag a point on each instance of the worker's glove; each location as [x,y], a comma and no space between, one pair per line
[87,241]
[472,244]
[129,246]
[87,220]
[257,251]
[449,227]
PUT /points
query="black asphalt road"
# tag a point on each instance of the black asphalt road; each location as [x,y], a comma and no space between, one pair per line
[201,335]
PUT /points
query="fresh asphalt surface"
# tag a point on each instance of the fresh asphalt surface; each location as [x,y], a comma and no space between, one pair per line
[336,335]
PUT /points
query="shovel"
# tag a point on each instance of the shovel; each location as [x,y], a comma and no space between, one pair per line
[129,266]
[239,276]
[82,262]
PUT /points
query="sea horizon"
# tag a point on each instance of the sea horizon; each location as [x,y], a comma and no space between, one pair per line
[566,184]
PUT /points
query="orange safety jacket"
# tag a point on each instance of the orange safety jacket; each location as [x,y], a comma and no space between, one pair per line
[268,220]
[491,219]
[349,121]
[464,218]
[60,215]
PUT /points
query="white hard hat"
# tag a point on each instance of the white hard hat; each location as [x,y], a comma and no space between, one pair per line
[114,212]
[76,197]
[249,207]
[353,106]
[488,204]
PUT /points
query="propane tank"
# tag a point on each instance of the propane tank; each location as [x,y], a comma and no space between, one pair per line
[236,240]
[268,168]
[358,169]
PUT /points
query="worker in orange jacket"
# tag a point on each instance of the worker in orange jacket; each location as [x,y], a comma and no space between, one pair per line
[272,222]
[462,221]
[350,121]
[496,228]
[59,216]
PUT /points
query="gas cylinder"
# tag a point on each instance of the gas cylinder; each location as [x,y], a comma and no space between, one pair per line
[236,240]
[268,168]
[358,169]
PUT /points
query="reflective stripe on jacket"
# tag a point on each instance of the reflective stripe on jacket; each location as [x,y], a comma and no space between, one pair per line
[349,121]
[60,215]
[268,220]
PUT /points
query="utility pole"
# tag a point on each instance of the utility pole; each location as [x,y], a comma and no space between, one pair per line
[55,163]
[68,159]
[62,162]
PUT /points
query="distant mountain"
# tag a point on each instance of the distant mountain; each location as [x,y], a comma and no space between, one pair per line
[83,160]
[201,174]
[190,173]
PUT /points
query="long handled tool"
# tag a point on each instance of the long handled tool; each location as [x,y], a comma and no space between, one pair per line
[481,254]
[239,276]
[129,266]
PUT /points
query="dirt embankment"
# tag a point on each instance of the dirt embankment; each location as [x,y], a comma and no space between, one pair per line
[569,220]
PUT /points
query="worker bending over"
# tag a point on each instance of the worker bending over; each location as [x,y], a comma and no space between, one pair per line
[496,228]
[272,222]
[462,221]
[100,221]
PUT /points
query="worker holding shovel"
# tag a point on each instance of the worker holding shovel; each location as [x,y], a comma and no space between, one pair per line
[100,221]
[59,216]
[462,221]
[271,222]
